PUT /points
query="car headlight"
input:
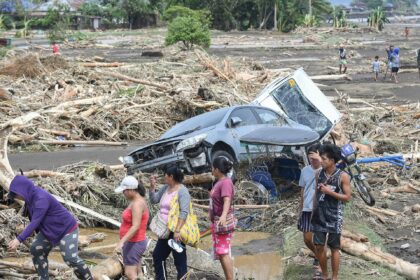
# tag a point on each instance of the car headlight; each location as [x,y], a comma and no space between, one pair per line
[191,142]
[127,160]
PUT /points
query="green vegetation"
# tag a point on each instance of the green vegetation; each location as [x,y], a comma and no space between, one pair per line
[339,18]
[180,11]
[189,30]
[377,19]
[130,92]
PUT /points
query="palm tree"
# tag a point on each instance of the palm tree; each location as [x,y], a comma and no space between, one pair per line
[377,19]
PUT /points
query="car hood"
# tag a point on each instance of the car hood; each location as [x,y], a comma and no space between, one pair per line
[281,136]
[174,139]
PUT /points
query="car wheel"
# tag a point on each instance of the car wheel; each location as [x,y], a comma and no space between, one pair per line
[227,155]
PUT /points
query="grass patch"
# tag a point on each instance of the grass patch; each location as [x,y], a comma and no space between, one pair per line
[130,92]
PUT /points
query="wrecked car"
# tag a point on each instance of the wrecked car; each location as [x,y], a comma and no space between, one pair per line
[293,102]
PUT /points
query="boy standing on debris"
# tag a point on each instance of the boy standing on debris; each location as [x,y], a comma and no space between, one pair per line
[308,186]
[54,224]
[376,65]
[55,48]
[333,189]
[342,59]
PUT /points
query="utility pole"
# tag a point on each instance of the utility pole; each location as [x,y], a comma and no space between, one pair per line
[275,15]
[310,7]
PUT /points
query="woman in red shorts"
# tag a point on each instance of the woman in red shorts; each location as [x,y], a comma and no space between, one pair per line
[133,241]
[221,210]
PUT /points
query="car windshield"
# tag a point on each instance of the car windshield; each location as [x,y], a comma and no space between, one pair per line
[295,105]
[195,123]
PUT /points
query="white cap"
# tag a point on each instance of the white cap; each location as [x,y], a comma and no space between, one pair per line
[128,183]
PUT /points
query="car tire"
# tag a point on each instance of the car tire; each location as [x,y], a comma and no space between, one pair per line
[222,153]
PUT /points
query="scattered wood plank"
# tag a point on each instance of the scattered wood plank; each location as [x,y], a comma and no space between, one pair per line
[78,142]
[134,80]
[110,267]
[43,173]
[86,240]
[387,212]
[409,188]
[198,179]
[101,64]
[331,77]
[354,236]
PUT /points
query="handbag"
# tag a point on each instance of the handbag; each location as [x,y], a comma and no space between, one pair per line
[190,232]
[231,223]
[159,227]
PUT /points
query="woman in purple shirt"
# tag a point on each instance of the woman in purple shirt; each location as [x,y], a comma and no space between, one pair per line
[54,225]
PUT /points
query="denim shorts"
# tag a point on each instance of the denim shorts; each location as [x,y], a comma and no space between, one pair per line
[133,251]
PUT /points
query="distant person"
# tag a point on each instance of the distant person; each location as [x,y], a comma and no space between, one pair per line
[308,186]
[376,67]
[133,241]
[54,225]
[389,51]
[222,214]
[333,189]
[342,59]
[418,61]
[406,32]
[395,65]
[56,48]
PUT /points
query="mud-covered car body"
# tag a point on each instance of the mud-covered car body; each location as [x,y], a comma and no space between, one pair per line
[294,101]
[193,143]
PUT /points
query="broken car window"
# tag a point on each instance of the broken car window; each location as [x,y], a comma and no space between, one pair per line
[299,109]
[246,115]
[269,117]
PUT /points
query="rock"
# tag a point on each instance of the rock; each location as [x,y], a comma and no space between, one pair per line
[152,53]
[4,95]
[405,246]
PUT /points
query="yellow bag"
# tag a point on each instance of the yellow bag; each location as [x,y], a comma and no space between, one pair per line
[190,233]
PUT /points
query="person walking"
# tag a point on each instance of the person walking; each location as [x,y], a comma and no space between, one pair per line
[376,67]
[342,59]
[389,50]
[54,225]
[418,61]
[308,186]
[133,241]
[333,189]
[395,64]
[173,187]
[221,214]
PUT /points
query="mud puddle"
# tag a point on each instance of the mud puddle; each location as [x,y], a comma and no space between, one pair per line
[256,254]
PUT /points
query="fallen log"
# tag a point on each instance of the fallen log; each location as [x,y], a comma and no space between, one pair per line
[404,189]
[205,207]
[56,132]
[101,64]
[383,211]
[43,173]
[86,240]
[198,179]
[380,217]
[100,248]
[331,77]
[88,211]
[28,266]
[354,236]
[77,142]
[110,267]
[134,80]
[65,105]
[370,253]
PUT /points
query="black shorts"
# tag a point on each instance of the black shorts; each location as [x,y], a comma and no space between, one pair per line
[334,239]
[304,223]
[395,69]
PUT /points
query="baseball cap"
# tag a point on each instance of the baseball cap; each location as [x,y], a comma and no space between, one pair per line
[128,183]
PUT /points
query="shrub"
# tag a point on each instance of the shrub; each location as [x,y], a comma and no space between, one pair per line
[180,11]
[188,30]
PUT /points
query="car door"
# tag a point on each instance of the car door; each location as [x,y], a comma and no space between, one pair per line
[297,97]
[248,123]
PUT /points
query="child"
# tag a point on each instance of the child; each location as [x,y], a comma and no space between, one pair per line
[333,190]
[342,59]
[55,48]
[376,65]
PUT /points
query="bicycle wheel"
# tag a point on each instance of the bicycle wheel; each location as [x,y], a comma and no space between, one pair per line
[364,191]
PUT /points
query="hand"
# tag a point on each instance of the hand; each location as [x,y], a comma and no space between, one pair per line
[177,236]
[119,247]
[222,220]
[12,246]
[153,181]
[324,189]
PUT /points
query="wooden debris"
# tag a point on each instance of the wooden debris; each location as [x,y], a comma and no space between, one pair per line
[78,142]
[134,80]
[404,189]
[101,64]
[43,173]
[354,236]
[370,253]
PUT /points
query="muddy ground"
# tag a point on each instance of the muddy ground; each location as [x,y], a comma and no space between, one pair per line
[315,52]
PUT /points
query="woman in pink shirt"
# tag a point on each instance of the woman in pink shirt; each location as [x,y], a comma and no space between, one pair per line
[221,198]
